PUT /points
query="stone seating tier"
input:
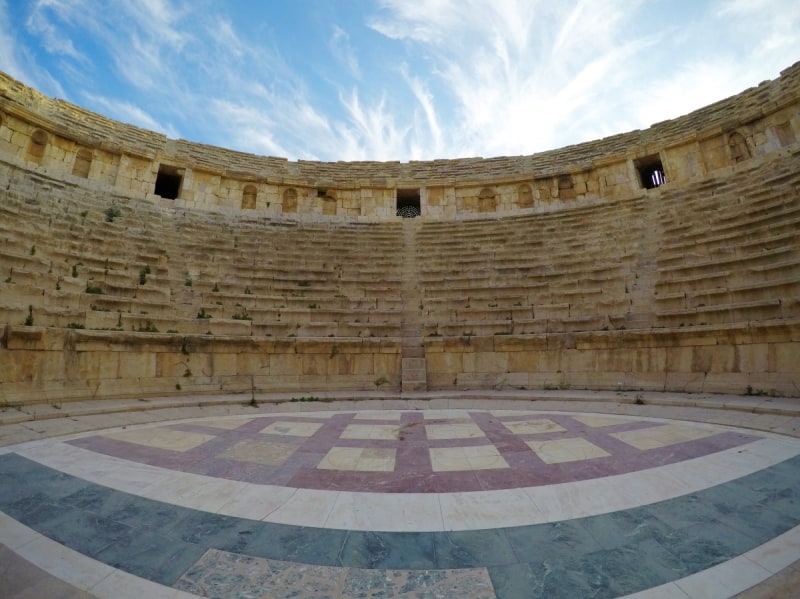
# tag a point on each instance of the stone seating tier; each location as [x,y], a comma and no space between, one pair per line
[552,270]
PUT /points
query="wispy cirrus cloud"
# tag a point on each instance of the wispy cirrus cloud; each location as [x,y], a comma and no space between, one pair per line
[397,80]
[126,112]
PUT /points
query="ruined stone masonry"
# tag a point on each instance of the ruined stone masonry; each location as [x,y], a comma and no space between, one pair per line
[663,259]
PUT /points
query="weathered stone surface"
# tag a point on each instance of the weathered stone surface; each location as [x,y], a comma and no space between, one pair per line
[565,268]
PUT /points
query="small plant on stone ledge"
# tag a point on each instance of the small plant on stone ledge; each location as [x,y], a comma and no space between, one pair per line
[93,289]
[29,318]
[74,270]
[248,291]
[188,282]
[381,381]
[203,314]
[111,213]
[216,288]
[148,327]
[243,315]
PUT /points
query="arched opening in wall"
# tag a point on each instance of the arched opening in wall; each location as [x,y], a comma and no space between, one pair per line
[566,188]
[290,200]
[249,194]
[328,202]
[168,182]
[524,196]
[408,204]
[487,200]
[36,146]
[738,145]
[651,171]
[785,134]
[83,164]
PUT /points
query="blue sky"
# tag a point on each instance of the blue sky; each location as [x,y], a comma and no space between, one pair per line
[395,79]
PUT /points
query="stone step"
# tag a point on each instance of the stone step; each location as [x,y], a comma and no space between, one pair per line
[414,374]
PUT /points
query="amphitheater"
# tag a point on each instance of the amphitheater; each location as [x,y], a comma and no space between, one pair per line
[574,373]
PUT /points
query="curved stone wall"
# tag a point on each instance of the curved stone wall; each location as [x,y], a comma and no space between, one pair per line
[664,259]
[67,140]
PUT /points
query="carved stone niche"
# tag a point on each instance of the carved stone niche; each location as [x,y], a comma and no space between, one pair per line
[487,200]
[566,188]
[524,196]
[37,146]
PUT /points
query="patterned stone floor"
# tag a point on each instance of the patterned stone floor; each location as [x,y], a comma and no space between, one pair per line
[400,503]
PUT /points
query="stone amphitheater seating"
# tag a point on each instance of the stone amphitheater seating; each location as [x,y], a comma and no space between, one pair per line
[109,290]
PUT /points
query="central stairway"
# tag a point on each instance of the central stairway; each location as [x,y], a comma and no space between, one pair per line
[413,367]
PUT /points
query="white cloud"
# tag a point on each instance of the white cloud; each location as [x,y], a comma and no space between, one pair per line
[129,113]
[53,40]
[443,78]
[340,47]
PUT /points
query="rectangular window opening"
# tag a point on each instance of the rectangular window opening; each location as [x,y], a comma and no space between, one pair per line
[168,182]
[408,204]
[651,171]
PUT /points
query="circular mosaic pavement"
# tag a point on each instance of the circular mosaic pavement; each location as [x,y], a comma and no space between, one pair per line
[415,503]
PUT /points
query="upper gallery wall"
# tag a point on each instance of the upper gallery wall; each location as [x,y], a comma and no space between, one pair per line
[68,141]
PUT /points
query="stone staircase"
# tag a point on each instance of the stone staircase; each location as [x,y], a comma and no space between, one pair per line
[413,366]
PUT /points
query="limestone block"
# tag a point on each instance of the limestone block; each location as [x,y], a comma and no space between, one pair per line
[314,365]
[545,380]
[91,365]
[515,380]
[340,364]
[653,359]
[753,358]
[619,360]
[21,337]
[483,361]
[445,363]
[282,365]
[726,382]
[785,358]
[363,364]
[576,360]
[224,364]
[134,365]
[680,359]
[686,382]
[386,365]
[719,358]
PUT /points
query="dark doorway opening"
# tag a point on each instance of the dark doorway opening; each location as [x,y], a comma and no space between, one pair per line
[408,205]
[651,171]
[168,182]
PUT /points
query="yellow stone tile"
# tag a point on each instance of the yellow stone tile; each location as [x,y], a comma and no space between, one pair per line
[449,459]
[661,436]
[566,450]
[360,459]
[385,432]
[454,431]
[596,421]
[260,451]
[485,457]
[162,438]
[533,427]
[292,429]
